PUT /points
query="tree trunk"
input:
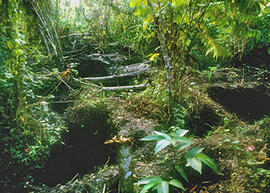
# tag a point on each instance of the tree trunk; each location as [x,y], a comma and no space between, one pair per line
[163,46]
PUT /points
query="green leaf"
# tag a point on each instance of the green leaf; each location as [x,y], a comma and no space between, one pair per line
[181,132]
[161,145]
[154,57]
[195,164]
[183,146]
[209,50]
[163,187]
[181,122]
[217,49]
[149,179]
[148,186]
[178,3]
[181,171]
[152,138]
[177,183]
[134,3]
[208,161]
[163,134]
[10,45]
[243,5]
[184,140]
[194,151]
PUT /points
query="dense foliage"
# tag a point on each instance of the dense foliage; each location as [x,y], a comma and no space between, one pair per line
[186,36]
[28,127]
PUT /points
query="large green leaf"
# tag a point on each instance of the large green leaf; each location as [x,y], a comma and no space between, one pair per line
[152,138]
[149,179]
[161,145]
[181,132]
[162,134]
[181,171]
[177,183]
[207,160]
[148,186]
[163,187]
[184,140]
[195,164]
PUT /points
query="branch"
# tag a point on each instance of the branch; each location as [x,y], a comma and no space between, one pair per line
[110,78]
[87,83]
[129,71]
[72,35]
[115,88]
[118,88]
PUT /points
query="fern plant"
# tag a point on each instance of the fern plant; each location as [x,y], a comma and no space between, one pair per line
[194,158]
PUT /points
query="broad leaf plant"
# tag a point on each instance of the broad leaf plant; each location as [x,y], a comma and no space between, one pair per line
[194,158]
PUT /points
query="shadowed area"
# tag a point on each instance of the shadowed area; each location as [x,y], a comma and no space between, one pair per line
[249,104]
[84,147]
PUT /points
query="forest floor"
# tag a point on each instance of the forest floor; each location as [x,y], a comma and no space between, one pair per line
[227,109]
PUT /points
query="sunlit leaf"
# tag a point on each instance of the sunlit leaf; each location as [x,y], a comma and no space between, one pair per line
[195,164]
[161,145]
[134,3]
[152,138]
[10,45]
[163,187]
[181,132]
[163,134]
[154,57]
[179,3]
[149,179]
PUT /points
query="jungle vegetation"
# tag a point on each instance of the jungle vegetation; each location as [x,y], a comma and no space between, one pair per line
[54,53]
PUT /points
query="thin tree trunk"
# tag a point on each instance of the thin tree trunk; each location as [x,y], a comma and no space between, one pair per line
[163,46]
